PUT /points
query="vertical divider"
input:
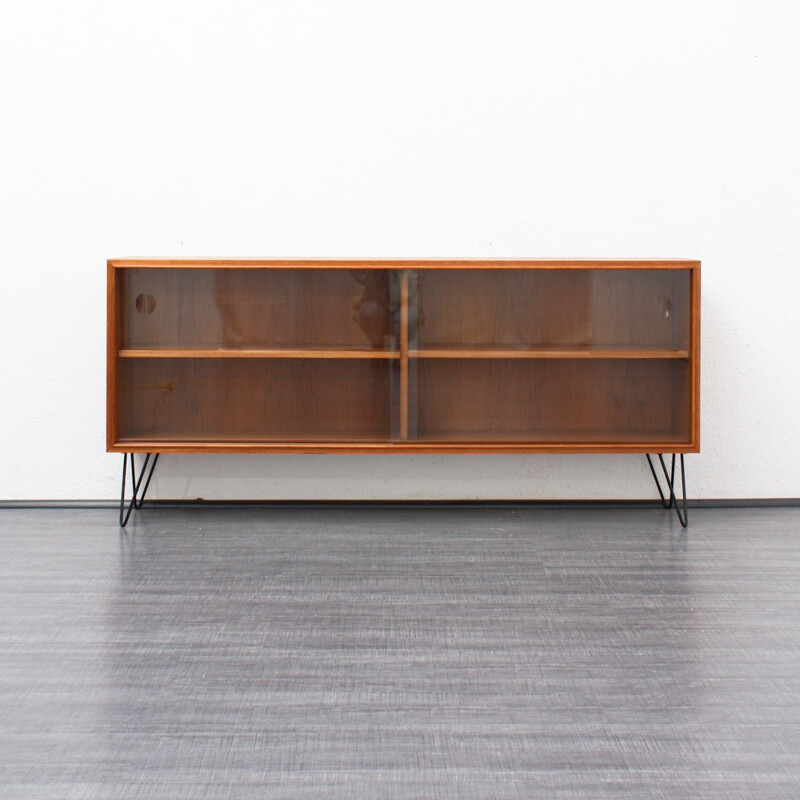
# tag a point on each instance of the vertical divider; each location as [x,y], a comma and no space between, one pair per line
[404,354]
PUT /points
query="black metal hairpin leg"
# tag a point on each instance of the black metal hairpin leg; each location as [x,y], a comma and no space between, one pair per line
[137,499]
[680,508]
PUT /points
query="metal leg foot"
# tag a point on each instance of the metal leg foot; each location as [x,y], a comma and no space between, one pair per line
[138,499]
[680,508]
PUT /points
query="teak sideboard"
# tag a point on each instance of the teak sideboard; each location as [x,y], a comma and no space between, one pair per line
[422,356]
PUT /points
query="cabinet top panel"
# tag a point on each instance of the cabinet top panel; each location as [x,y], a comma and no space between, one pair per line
[414,263]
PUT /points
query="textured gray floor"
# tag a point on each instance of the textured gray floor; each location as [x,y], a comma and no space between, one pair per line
[400,653]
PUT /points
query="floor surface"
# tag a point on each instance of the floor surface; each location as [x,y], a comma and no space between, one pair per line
[361,652]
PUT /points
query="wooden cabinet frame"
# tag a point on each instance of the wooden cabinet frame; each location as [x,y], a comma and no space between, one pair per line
[441,332]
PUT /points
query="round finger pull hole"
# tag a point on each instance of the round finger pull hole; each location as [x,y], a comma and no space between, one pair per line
[145,304]
[665,304]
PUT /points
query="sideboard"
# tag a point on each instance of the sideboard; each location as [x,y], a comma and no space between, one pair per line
[403,356]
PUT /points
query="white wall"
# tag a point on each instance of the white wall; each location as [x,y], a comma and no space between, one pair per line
[398,129]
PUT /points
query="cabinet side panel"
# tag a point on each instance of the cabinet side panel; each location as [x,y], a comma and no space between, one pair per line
[695,354]
[112,344]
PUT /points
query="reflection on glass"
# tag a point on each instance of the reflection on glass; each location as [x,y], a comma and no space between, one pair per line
[376,310]
[565,355]
[551,400]
[230,308]
[241,399]
[569,307]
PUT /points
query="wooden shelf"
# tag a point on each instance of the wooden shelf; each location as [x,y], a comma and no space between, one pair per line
[404,263]
[298,437]
[548,351]
[656,438]
[254,352]
[380,446]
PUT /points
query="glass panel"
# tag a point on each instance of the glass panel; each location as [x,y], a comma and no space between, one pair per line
[239,308]
[263,399]
[551,400]
[483,355]
[548,356]
[580,308]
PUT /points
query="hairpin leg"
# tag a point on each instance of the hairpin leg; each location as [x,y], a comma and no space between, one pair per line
[138,499]
[680,508]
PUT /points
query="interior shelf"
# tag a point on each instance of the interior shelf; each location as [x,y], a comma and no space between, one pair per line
[310,436]
[548,351]
[553,436]
[346,351]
